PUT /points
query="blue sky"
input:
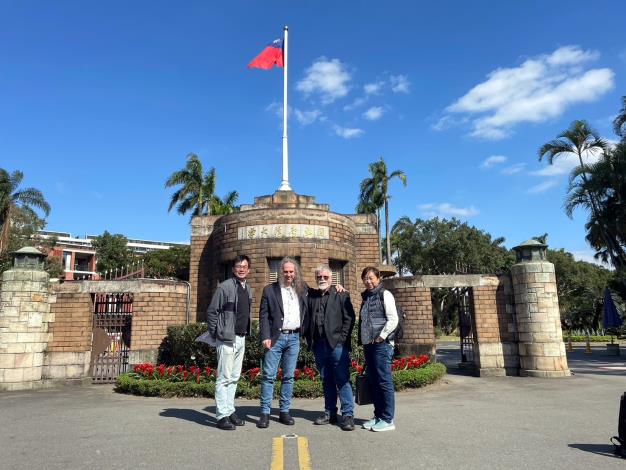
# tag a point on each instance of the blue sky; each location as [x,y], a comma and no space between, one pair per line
[101,101]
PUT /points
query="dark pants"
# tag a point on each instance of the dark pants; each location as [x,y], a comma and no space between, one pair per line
[334,367]
[378,362]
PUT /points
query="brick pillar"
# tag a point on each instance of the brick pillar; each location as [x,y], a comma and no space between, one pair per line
[415,300]
[24,317]
[541,348]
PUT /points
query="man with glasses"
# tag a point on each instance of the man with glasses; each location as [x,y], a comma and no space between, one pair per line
[229,317]
[328,334]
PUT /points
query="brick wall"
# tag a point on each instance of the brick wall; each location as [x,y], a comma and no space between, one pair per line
[153,312]
[73,322]
[419,334]
[215,243]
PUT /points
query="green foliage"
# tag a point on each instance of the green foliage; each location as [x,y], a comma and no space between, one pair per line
[17,209]
[592,339]
[24,226]
[580,286]
[172,263]
[303,388]
[196,192]
[112,251]
[374,194]
[441,246]
[180,347]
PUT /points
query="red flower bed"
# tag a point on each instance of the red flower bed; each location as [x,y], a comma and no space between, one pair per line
[181,373]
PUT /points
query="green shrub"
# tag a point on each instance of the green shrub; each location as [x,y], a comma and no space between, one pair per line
[592,339]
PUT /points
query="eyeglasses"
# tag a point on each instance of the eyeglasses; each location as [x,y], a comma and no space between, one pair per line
[326,278]
[241,266]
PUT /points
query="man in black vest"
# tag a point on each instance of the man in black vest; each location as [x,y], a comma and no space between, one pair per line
[328,333]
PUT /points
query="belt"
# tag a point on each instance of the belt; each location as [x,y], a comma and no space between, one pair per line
[289,332]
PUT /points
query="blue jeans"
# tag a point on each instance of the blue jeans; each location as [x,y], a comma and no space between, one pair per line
[378,362]
[286,348]
[333,365]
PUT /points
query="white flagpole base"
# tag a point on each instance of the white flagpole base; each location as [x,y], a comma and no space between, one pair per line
[285,186]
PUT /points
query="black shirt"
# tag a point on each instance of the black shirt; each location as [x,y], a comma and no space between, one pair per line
[320,314]
[242,315]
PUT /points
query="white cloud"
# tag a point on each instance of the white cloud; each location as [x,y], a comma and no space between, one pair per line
[399,83]
[493,160]
[373,88]
[307,117]
[355,104]
[587,255]
[347,133]
[542,187]
[374,113]
[445,209]
[539,89]
[329,78]
[564,164]
[515,168]
[276,108]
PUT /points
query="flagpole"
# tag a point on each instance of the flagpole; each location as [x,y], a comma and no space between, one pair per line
[284,185]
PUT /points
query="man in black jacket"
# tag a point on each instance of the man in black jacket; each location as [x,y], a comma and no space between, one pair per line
[329,327]
[281,316]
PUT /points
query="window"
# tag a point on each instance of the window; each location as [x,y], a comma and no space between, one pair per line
[337,269]
[274,267]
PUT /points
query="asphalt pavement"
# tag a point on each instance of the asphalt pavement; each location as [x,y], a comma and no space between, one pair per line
[462,422]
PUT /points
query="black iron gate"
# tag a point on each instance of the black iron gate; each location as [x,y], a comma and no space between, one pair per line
[465,326]
[112,323]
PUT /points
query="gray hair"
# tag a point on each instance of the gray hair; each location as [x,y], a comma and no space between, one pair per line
[297,280]
[321,268]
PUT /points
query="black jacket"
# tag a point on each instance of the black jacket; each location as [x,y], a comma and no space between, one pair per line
[338,320]
[271,314]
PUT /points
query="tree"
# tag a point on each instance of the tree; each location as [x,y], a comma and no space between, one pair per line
[375,193]
[16,204]
[440,246]
[580,286]
[225,206]
[605,180]
[582,141]
[172,263]
[112,251]
[619,124]
[370,202]
[197,190]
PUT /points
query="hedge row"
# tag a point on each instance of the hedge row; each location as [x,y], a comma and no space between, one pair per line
[303,388]
[592,339]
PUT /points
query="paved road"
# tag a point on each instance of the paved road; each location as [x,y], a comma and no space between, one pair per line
[462,422]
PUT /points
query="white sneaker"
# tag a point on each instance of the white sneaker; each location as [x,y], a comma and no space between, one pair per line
[382,425]
[368,424]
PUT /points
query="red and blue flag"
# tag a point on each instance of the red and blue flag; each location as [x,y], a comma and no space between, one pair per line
[270,56]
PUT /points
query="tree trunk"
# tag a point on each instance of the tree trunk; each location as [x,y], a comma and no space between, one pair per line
[387,232]
[380,245]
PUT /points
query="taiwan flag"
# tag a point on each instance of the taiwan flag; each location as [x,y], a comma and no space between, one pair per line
[270,56]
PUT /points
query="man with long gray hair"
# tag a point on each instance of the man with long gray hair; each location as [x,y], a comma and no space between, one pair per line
[281,316]
[328,334]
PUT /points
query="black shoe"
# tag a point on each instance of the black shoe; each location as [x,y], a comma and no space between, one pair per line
[264,421]
[225,424]
[236,420]
[347,423]
[325,419]
[285,418]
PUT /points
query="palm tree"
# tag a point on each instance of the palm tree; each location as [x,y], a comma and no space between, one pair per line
[606,180]
[226,205]
[619,124]
[14,200]
[582,141]
[401,234]
[197,191]
[374,190]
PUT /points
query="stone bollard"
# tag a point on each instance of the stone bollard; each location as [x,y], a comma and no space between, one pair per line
[541,347]
[24,317]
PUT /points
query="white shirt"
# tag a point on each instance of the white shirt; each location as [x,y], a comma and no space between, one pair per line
[291,307]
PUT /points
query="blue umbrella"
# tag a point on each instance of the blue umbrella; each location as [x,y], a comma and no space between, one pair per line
[612,318]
